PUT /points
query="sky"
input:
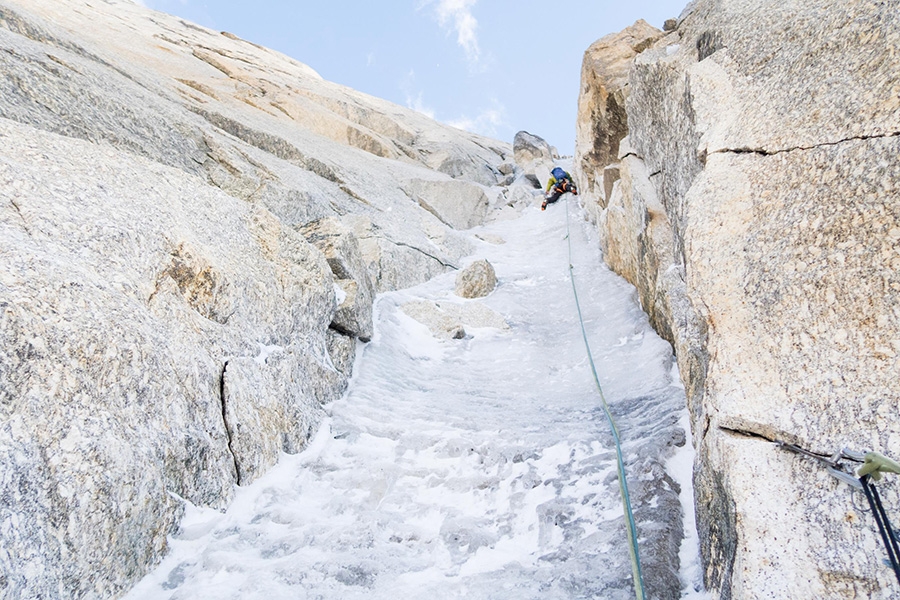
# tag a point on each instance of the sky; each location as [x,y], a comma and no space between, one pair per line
[493,67]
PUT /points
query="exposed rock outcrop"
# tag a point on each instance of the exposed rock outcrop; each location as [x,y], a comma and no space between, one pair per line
[192,230]
[477,280]
[459,204]
[532,155]
[340,246]
[529,148]
[756,215]
[601,107]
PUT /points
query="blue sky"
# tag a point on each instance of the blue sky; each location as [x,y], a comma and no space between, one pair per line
[490,66]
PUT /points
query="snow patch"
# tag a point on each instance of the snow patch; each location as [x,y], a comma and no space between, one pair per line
[265,352]
[339,294]
[681,468]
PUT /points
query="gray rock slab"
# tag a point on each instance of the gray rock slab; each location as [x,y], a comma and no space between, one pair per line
[530,149]
[459,204]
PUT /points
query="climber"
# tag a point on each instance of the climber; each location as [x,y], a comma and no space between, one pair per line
[559,183]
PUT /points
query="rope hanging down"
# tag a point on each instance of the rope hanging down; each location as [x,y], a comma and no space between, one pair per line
[623,483]
[874,464]
[888,535]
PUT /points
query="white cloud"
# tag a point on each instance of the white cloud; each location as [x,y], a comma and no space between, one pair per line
[414,99]
[418,105]
[456,15]
[486,122]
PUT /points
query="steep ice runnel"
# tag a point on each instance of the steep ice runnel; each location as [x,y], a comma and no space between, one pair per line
[478,468]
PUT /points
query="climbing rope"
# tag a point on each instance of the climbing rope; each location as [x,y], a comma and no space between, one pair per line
[888,535]
[874,464]
[623,483]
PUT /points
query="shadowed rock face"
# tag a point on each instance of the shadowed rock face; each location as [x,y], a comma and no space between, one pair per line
[192,230]
[755,214]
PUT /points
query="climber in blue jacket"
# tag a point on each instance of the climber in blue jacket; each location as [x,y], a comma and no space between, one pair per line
[559,183]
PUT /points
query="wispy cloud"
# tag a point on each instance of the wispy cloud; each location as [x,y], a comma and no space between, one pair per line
[490,121]
[456,16]
[417,104]
[487,122]
[414,99]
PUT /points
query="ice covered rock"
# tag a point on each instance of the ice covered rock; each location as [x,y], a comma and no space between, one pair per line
[476,280]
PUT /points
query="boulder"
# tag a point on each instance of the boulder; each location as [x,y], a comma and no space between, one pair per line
[530,150]
[477,280]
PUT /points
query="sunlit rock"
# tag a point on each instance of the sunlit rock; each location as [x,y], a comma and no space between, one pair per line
[476,280]
[601,122]
[754,215]
[166,329]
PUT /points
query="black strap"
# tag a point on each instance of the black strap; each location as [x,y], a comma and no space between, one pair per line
[888,536]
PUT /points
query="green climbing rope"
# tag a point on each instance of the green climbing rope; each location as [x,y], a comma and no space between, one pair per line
[623,483]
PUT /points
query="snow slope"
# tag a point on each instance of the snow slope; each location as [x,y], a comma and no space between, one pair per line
[471,468]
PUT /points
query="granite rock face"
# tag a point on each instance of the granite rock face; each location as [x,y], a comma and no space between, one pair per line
[756,214]
[602,122]
[528,147]
[340,246]
[459,204]
[192,231]
[127,289]
[532,153]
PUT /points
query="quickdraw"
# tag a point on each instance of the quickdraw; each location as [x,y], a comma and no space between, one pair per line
[873,465]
